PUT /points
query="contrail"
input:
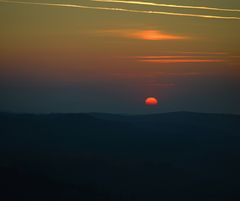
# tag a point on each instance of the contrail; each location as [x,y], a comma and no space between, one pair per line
[122,10]
[168,5]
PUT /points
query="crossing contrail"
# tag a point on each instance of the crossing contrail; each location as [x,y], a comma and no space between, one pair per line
[168,5]
[123,10]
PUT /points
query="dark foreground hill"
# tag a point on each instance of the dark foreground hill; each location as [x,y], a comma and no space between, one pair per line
[102,157]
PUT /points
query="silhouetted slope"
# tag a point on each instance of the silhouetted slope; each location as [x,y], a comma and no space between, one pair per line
[173,156]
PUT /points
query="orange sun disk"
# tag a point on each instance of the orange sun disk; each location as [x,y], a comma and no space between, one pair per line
[151,101]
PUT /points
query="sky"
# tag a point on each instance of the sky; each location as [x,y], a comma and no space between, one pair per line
[109,56]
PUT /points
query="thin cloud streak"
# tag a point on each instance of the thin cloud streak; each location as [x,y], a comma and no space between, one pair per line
[187,53]
[151,35]
[156,75]
[167,57]
[207,58]
[161,85]
[124,10]
[187,57]
[204,53]
[168,5]
[181,60]
[154,35]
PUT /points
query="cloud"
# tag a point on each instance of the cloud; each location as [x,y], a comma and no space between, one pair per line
[165,57]
[182,60]
[155,75]
[151,35]
[154,35]
[187,57]
[124,10]
[169,5]
[159,84]
[184,57]
[203,53]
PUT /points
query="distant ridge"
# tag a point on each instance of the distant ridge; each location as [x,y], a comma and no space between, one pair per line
[102,157]
[226,122]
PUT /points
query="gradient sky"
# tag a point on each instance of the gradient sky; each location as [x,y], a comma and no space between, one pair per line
[108,56]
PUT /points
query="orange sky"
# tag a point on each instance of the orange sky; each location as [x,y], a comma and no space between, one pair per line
[108,50]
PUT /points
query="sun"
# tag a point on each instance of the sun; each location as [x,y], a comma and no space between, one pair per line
[151,101]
